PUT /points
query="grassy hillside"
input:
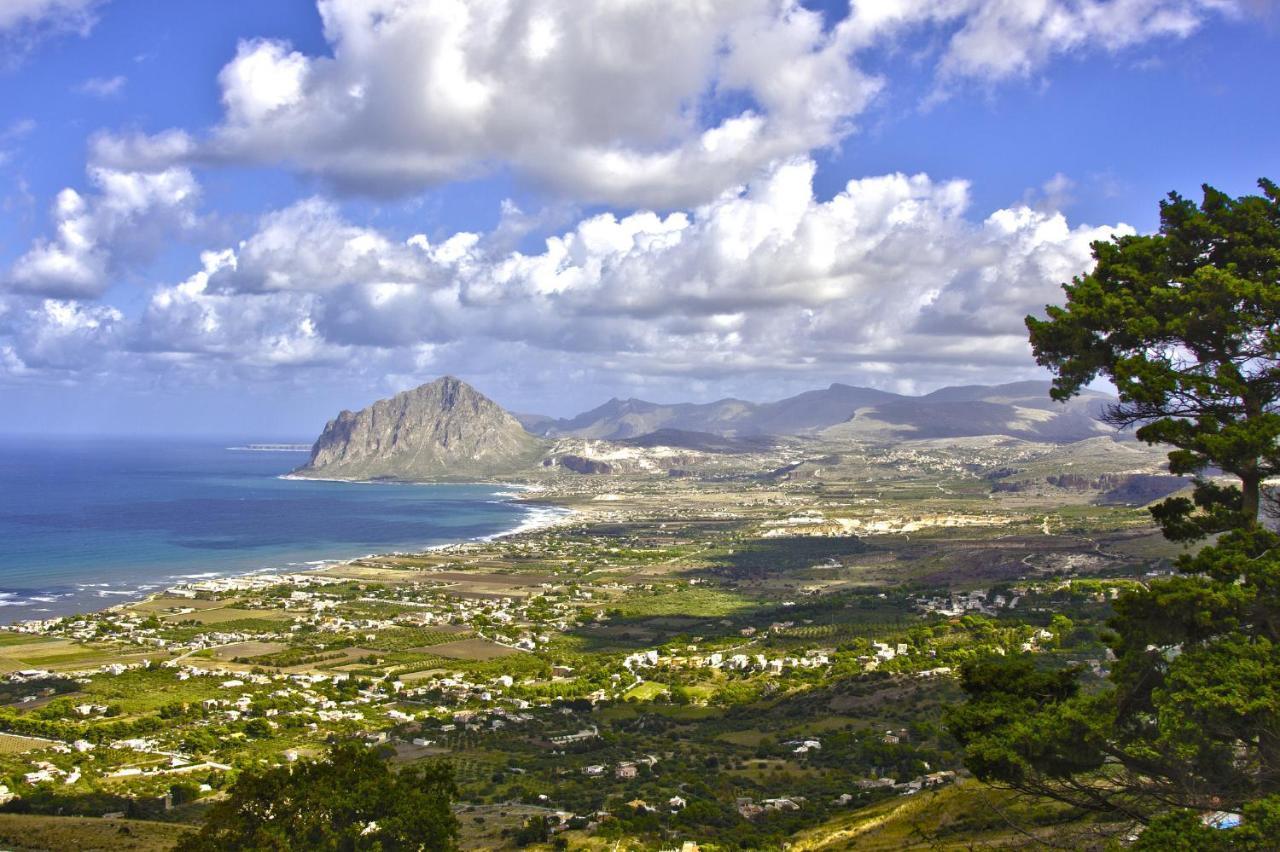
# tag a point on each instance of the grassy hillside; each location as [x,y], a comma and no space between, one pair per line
[963,816]
[29,833]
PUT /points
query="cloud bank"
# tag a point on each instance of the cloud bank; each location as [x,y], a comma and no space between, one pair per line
[660,104]
[889,275]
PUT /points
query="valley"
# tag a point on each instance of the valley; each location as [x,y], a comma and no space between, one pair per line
[751,641]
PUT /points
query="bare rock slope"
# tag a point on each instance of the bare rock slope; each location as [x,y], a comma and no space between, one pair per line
[442,430]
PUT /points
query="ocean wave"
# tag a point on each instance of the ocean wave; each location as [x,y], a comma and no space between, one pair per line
[294,478]
[536,518]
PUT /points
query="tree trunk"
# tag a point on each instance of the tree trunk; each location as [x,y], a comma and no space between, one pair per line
[1251,491]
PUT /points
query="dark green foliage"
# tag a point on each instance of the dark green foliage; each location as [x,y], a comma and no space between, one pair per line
[1024,726]
[1191,713]
[184,792]
[351,801]
[536,829]
[1186,324]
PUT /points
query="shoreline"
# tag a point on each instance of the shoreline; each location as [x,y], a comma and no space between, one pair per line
[538,516]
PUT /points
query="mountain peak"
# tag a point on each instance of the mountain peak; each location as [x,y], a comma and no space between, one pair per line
[441,429]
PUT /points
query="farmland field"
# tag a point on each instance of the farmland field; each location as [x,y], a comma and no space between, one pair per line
[13,744]
[472,649]
[226,614]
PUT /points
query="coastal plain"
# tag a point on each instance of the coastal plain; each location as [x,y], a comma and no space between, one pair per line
[754,649]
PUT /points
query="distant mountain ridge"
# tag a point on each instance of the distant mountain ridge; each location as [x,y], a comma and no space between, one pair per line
[1019,409]
[442,430]
[448,430]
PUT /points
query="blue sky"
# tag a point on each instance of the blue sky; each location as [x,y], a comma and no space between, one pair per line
[281,209]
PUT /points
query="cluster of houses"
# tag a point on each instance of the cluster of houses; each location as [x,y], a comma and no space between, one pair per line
[730,662]
[154,760]
[623,770]
[751,809]
[906,788]
[249,583]
[804,746]
[312,607]
[973,601]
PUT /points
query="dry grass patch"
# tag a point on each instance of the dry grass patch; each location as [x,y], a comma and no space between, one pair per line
[54,654]
[411,677]
[225,614]
[30,833]
[481,579]
[14,744]
[472,649]
[373,575]
[165,604]
[248,649]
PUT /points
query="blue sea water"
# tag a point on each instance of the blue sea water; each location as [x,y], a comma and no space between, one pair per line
[88,523]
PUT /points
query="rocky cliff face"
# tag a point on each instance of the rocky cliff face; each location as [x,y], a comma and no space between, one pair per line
[442,430]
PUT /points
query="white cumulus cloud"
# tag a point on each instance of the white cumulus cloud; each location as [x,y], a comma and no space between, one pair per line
[766,280]
[993,40]
[54,336]
[661,103]
[126,217]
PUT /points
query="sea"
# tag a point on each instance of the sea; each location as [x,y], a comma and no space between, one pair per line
[87,523]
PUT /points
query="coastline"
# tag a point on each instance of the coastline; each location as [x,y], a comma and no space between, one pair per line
[538,516]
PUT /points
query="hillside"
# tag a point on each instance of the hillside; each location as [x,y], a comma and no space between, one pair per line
[33,833]
[705,442]
[630,418]
[1020,410]
[442,430]
[964,816]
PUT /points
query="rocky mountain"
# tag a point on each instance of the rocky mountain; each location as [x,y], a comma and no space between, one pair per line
[1021,410]
[442,430]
